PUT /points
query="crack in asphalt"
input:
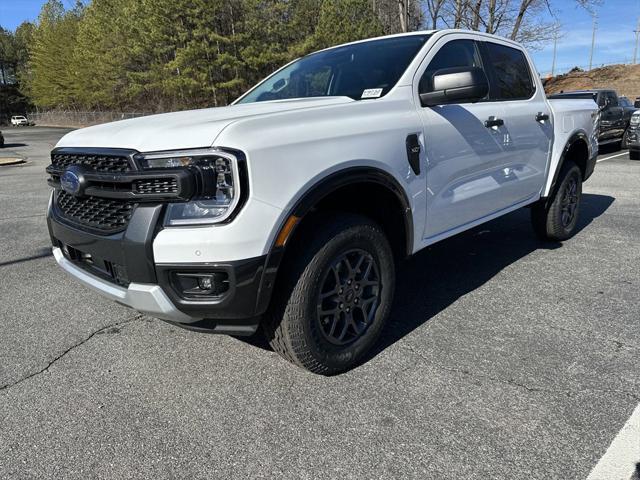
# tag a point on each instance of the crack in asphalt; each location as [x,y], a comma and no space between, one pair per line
[511,382]
[23,216]
[72,347]
[619,345]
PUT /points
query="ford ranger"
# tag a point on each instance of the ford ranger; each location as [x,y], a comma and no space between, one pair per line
[289,209]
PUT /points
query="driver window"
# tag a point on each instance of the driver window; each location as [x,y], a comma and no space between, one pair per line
[313,82]
[456,53]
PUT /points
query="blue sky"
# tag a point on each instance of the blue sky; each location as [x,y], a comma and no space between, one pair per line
[615,39]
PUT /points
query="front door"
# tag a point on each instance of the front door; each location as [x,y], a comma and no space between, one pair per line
[465,158]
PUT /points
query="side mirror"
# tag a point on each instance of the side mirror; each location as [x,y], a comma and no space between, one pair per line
[456,85]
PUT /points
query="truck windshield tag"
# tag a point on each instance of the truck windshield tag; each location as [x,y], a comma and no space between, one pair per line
[371,93]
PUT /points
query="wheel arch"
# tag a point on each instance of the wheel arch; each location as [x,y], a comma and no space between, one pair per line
[576,149]
[386,192]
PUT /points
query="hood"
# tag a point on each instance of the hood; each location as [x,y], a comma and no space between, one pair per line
[187,129]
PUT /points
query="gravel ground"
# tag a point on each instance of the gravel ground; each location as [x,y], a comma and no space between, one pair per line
[505,358]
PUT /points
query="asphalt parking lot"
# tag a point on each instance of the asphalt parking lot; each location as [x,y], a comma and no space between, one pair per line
[506,358]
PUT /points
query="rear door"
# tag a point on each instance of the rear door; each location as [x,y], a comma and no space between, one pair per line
[527,121]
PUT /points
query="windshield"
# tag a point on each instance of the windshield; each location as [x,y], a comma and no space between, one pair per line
[362,70]
[625,102]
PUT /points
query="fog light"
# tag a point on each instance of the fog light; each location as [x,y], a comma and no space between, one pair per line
[206,283]
[200,284]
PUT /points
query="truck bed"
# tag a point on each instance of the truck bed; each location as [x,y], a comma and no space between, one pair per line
[571,116]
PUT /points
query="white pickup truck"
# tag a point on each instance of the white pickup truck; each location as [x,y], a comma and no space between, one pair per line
[290,208]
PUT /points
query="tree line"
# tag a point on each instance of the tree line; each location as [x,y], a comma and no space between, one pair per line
[159,55]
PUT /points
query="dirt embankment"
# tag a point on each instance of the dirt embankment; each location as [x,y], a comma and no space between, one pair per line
[624,79]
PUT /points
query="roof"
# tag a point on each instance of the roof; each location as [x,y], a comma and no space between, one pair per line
[425,32]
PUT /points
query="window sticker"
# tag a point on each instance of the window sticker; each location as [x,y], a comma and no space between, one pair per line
[371,93]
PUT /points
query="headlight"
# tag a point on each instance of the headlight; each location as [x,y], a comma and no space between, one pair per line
[217,180]
[635,119]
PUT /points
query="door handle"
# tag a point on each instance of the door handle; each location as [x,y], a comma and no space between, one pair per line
[540,117]
[493,122]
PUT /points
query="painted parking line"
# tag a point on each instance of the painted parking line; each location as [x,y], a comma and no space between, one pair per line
[620,460]
[612,156]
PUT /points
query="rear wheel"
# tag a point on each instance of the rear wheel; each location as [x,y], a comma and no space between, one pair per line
[335,296]
[556,218]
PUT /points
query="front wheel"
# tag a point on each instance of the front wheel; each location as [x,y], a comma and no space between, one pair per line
[634,154]
[335,294]
[556,218]
[624,143]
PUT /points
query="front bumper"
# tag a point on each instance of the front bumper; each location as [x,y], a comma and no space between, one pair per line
[143,297]
[633,139]
[122,268]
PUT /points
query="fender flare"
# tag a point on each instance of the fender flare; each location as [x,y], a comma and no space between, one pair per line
[312,196]
[579,135]
[350,176]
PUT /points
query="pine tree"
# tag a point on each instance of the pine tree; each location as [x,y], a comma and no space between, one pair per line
[164,55]
[100,57]
[51,56]
[344,21]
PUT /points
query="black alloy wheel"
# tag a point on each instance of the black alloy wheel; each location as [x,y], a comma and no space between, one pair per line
[349,297]
[569,203]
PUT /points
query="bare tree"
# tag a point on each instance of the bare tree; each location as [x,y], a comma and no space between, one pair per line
[402,14]
[521,20]
[524,6]
[399,15]
[460,10]
[434,8]
[476,14]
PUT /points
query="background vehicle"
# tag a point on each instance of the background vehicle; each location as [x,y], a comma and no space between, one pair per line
[614,114]
[634,136]
[1,140]
[20,120]
[314,184]
[625,102]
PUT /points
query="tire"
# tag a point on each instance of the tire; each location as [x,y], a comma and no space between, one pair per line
[556,218]
[624,142]
[634,154]
[330,280]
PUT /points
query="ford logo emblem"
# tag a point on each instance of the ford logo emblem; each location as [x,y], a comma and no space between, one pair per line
[71,182]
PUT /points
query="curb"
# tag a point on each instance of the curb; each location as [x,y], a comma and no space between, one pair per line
[7,161]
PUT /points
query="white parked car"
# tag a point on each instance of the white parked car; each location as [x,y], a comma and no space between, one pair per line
[290,208]
[19,120]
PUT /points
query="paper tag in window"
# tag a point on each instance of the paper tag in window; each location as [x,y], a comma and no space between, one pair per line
[371,93]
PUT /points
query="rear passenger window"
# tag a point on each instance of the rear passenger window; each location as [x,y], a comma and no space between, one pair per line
[513,79]
[456,53]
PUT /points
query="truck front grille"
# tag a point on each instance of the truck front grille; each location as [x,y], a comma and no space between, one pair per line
[156,186]
[99,163]
[103,214]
